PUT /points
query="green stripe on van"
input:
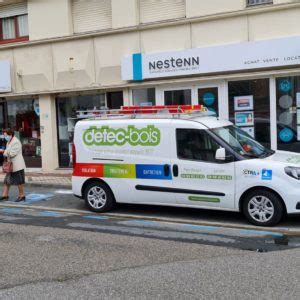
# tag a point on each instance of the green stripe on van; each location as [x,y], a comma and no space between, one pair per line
[204,199]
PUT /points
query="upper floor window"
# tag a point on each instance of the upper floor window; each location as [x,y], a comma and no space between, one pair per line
[161,10]
[258,2]
[13,23]
[91,15]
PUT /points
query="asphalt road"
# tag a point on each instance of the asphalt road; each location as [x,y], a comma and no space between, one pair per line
[66,254]
[46,255]
[63,199]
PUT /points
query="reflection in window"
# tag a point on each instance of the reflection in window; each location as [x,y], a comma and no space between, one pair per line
[194,144]
[143,97]
[209,98]
[67,116]
[258,92]
[288,113]
[178,97]
[24,117]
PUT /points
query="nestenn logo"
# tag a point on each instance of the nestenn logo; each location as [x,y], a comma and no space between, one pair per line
[106,136]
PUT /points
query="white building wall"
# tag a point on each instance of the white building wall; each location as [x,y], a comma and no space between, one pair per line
[195,8]
[121,19]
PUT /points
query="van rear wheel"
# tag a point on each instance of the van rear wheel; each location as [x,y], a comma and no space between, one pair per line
[98,197]
[263,208]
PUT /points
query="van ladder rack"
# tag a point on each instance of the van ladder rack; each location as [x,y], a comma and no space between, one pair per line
[158,111]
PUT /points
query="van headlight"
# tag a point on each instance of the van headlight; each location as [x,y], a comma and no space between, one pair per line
[293,172]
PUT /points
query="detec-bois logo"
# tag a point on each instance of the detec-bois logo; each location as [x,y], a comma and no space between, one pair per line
[106,136]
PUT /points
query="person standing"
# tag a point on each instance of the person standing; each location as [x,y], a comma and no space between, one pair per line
[13,153]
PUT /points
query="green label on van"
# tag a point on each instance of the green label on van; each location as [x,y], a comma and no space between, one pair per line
[106,136]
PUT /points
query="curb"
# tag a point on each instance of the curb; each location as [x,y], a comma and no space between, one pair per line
[51,185]
[287,232]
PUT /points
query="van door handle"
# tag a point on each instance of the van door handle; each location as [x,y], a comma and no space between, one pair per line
[175,170]
[166,170]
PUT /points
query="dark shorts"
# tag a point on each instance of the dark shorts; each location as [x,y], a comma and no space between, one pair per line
[15,178]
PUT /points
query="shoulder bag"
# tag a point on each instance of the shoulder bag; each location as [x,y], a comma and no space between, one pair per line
[7,166]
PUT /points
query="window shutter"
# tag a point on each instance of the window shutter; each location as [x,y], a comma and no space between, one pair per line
[13,10]
[159,10]
[91,15]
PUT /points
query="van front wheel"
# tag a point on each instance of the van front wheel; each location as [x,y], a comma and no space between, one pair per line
[263,208]
[98,197]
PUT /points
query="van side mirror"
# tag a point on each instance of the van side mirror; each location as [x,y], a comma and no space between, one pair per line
[221,155]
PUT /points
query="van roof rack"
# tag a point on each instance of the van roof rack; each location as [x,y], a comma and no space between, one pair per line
[157,111]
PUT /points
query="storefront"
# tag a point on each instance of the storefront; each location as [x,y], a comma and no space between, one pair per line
[258,89]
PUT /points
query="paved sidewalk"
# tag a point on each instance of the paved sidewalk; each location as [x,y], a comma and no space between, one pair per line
[60,179]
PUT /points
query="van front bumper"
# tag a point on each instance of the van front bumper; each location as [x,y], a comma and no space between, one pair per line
[292,202]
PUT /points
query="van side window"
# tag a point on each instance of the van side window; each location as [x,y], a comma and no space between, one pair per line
[195,144]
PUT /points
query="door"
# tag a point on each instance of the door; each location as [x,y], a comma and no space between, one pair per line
[201,179]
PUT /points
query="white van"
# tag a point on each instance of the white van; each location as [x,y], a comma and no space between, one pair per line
[185,160]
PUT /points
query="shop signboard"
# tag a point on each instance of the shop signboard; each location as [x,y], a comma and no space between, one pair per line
[217,59]
[243,103]
[5,79]
[245,118]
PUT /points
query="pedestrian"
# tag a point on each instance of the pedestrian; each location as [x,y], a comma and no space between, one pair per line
[16,176]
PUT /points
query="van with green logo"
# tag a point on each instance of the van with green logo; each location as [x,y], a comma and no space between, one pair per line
[187,160]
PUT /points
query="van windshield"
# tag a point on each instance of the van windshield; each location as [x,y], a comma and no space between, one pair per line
[242,142]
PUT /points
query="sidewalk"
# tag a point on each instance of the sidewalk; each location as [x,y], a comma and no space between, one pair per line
[59,179]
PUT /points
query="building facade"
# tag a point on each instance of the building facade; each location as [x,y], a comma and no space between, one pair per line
[240,58]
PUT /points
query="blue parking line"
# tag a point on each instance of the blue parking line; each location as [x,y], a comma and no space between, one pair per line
[12,210]
[96,217]
[178,225]
[200,227]
[140,222]
[32,197]
[50,214]
[261,233]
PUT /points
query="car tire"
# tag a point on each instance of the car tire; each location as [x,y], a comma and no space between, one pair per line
[263,208]
[98,197]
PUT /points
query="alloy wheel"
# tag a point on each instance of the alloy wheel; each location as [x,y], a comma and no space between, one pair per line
[261,209]
[96,197]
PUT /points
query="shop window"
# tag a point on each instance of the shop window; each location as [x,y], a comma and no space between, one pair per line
[209,98]
[194,144]
[178,97]
[288,113]
[143,97]
[24,117]
[249,108]
[2,125]
[114,99]
[67,116]
[14,29]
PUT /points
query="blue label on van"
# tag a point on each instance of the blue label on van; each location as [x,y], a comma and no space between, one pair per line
[152,172]
[266,174]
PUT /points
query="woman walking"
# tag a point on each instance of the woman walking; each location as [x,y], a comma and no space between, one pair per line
[13,154]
